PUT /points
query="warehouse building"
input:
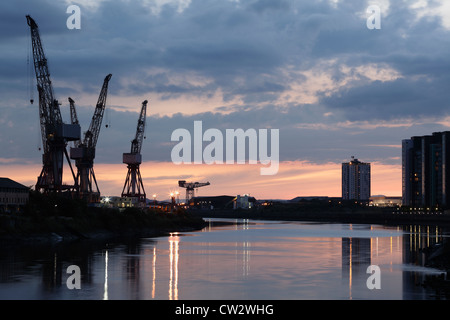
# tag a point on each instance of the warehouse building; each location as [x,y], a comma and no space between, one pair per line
[13,196]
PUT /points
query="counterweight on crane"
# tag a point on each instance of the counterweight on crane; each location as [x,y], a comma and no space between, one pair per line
[84,151]
[190,187]
[55,133]
[133,186]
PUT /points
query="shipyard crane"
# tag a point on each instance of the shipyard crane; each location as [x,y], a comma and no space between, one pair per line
[190,187]
[133,186]
[74,118]
[55,134]
[84,151]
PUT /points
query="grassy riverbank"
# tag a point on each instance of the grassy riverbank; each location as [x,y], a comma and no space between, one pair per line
[51,218]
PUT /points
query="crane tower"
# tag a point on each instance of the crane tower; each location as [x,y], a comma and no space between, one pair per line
[133,186]
[55,134]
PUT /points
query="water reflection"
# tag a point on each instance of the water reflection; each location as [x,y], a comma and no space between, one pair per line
[415,240]
[132,269]
[405,250]
[154,273]
[246,258]
[246,250]
[356,257]
[105,287]
[40,271]
[174,240]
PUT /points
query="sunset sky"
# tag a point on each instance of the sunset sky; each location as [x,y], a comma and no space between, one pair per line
[311,69]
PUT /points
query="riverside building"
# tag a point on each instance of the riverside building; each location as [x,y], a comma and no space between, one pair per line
[425,171]
[355,180]
[13,196]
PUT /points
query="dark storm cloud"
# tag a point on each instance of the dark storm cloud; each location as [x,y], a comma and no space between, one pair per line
[13,21]
[221,39]
[263,5]
[392,100]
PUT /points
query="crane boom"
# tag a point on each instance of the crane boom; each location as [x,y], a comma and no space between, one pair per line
[73,112]
[49,111]
[74,118]
[91,136]
[136,144]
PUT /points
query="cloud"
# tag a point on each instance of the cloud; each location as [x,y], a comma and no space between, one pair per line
[424,9]
[388,100]
[163,48]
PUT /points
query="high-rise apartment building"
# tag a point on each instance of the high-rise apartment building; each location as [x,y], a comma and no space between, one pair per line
[355,180]
[425,176]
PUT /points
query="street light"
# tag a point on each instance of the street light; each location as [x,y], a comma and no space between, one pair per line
[172,197]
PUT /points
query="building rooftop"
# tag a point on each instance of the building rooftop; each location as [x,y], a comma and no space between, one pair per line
[355,161]
[8,183]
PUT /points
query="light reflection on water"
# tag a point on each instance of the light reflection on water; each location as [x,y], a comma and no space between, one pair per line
[173,257]
[245,260]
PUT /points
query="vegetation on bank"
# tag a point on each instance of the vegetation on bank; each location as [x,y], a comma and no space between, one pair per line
[58,216]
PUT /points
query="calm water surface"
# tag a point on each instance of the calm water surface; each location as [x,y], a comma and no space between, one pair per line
[248,260]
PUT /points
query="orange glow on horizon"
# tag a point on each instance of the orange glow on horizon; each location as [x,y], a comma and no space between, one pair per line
[294,178]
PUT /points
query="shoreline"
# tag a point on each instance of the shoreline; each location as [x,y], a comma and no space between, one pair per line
[383,217]
[25,230]
[49,238]
[60,229]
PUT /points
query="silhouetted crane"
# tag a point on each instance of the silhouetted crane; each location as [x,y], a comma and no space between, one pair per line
[84,151]
[55,133]
[190,187]
[133,186]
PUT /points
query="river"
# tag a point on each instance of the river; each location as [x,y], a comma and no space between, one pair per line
[242,259]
